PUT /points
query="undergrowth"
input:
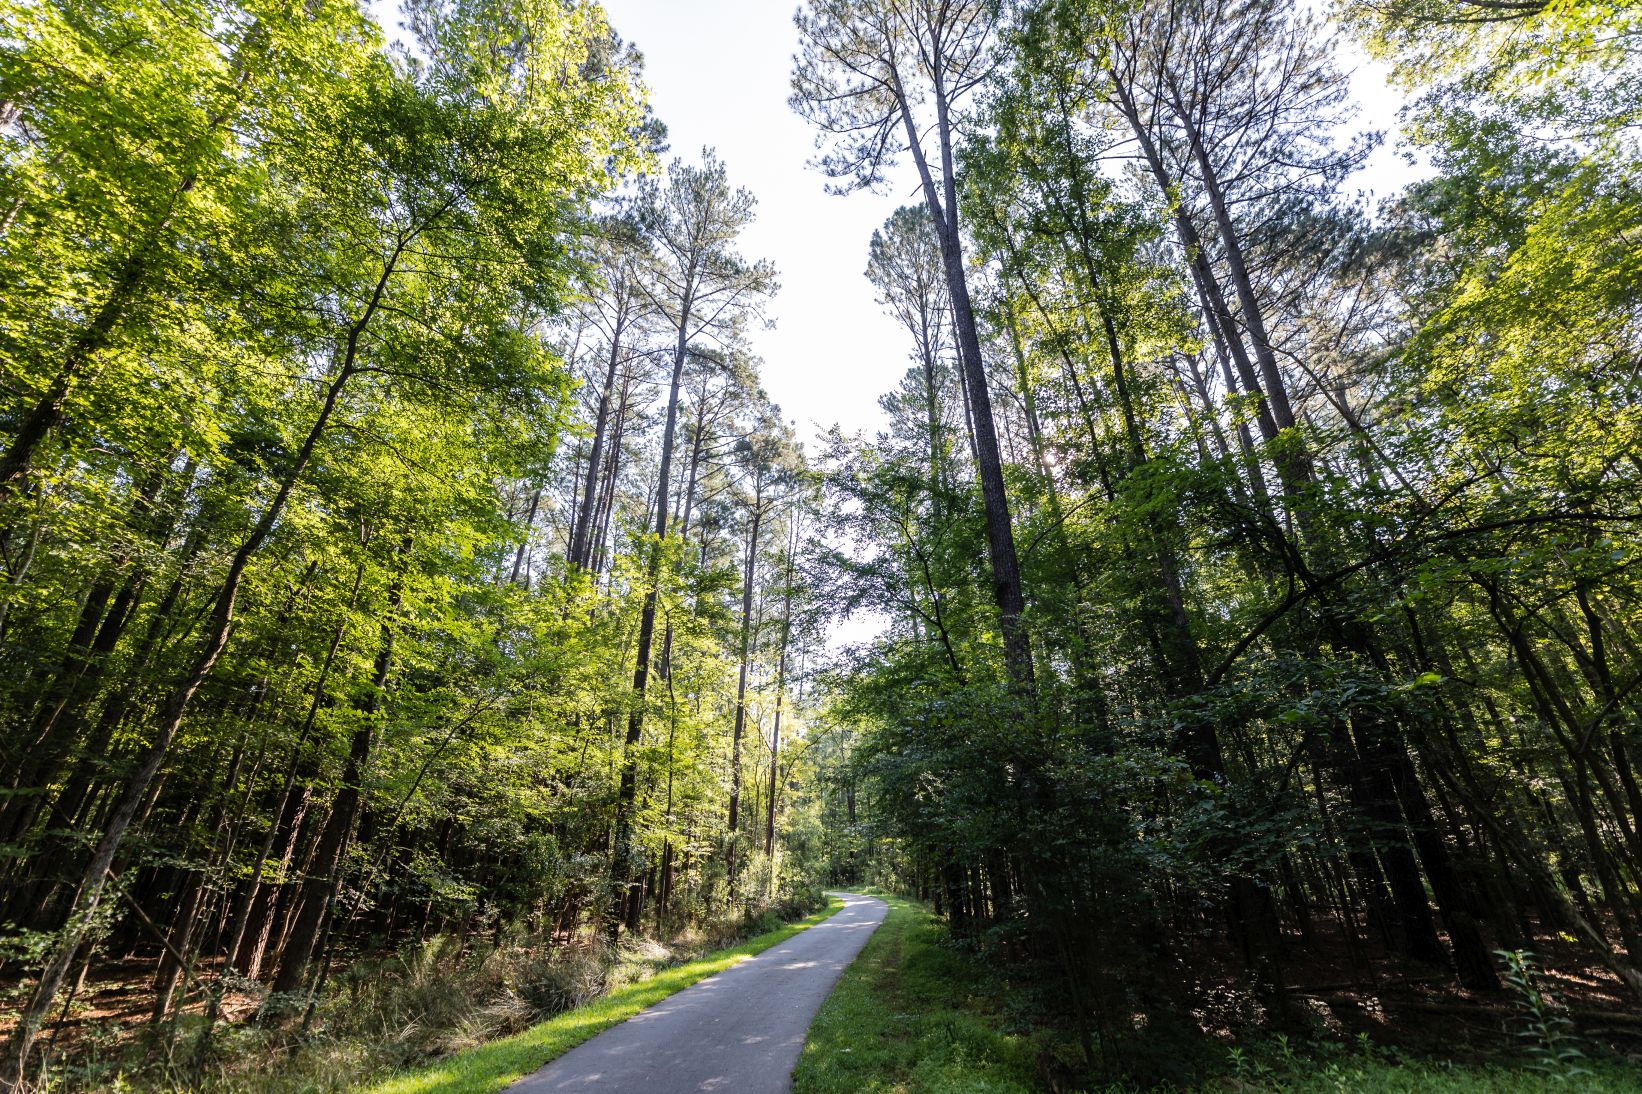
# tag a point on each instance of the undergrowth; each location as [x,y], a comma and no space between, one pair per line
[393,1014]
[493,1066]
[1284,1067]
[916,1014]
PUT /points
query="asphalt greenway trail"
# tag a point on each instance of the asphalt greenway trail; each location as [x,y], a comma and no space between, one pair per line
[739,1032]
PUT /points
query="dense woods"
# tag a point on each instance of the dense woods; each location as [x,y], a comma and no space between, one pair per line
[367,421]
[1259,557]
[399,555]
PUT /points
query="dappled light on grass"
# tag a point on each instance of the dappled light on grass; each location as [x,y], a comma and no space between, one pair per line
[913,1015]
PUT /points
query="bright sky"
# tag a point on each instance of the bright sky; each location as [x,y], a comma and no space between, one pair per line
[718,72]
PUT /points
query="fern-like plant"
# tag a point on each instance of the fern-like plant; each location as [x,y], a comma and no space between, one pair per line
[1546,1029]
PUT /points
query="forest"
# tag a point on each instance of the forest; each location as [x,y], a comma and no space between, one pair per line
[415,613]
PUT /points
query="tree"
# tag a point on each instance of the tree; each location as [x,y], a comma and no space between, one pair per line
[768,459]
[904,265]
[878,79]
[706,291]
[620,311]
[416,178]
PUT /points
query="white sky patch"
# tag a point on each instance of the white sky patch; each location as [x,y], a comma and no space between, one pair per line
[718,71]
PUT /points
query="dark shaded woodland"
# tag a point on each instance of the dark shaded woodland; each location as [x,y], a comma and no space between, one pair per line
[1260,556]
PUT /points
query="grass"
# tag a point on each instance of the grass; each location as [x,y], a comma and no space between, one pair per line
[492,1066]
[1366,1070]
[912,1016]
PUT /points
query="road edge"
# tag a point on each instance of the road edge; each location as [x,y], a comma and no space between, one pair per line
[497,1064]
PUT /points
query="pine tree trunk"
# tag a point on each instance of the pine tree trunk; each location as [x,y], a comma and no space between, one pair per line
[621,864]
[749,569]
[580,540]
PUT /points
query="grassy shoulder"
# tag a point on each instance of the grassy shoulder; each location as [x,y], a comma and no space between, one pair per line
[913,1015]
[1364,1069]
[492,1066]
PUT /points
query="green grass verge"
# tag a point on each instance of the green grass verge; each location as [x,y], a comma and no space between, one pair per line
[1371,1073]
[493,1066]
[1361,1068]
[912,1015]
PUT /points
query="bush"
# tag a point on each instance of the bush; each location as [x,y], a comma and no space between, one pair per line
[552,983]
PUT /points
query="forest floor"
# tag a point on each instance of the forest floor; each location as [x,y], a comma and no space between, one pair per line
[438,1017]
[492,1066]
[918,1015]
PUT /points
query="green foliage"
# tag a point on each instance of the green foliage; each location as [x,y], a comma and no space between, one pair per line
[297,344]
[1547,1030]
[1284,1066]
[1327,513]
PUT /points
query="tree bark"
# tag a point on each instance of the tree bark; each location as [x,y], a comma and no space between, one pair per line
[943,209]
[621,866]
[749,570]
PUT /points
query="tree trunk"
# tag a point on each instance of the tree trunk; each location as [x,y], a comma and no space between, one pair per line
[621,864]
[324,880]
[749,569]
[943,209]
[580,545]
[780,697]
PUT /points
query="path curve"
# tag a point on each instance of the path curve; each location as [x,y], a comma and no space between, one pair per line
[739,1031]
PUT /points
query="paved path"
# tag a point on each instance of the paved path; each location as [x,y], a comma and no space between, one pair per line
[738,1032]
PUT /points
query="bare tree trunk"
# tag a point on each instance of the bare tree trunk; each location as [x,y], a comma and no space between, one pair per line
[621,865]
[319,889]
[580,548]
[749,569]
[524,542]
[780,697]
[943,210]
